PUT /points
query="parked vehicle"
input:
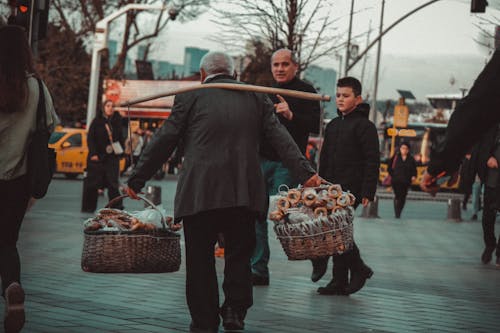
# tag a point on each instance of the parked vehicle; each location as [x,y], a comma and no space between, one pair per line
[71,147]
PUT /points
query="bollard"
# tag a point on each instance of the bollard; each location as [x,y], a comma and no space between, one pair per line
[454,210]
[371,210]
[153,194]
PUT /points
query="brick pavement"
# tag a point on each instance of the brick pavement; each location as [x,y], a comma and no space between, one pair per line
[428,278]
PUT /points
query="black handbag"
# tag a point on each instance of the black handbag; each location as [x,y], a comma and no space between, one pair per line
[41,158]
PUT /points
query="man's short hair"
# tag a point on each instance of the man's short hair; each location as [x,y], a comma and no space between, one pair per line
[292,55]
[217,63]
[350,82]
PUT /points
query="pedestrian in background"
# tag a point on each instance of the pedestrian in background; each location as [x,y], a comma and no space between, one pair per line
[221,188]
[488,161]
[403,171]
[300,117]
[466,179]
[133,149]
[350,157]
[103,162]
[19,94]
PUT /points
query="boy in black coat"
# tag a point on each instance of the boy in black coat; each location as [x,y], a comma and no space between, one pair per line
[349,157]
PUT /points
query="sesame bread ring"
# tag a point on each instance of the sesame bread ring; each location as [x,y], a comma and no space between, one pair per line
[294,197]
[343,200]
[309,197]
[337,208]
[276,216]
[283,204]
[331,203]
[320,211]
[335,191]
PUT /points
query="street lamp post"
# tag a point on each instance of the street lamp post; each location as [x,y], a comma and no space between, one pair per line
[101,43]
[348,46]
[373,115]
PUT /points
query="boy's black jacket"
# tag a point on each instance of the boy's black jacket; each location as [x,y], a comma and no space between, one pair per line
[350,153]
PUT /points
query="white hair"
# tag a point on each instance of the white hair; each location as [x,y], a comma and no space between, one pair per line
[217,63]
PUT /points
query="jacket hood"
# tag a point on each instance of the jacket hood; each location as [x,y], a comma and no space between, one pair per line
[362,108]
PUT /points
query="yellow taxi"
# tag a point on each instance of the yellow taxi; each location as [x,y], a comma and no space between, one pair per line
[71,147]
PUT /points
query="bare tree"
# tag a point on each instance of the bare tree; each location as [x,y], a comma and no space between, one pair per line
[486,25]
[81,17]
[304,26]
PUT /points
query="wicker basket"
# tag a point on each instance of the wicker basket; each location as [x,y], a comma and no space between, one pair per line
[155,251]
[317,237]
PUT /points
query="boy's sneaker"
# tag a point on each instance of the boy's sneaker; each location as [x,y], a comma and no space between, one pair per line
[14,308]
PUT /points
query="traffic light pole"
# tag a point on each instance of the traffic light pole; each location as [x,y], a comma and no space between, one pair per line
[360,56]
[100,44]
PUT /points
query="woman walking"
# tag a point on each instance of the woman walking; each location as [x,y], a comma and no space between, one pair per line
[19,94]
[103,161]
[403,171]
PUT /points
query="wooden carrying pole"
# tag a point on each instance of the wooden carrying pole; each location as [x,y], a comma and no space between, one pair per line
[233,86]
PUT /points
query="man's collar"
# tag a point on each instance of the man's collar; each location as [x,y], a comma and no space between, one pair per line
[212,77]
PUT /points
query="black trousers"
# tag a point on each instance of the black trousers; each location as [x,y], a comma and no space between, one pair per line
[344,262]
[400,193]
[101,174]
[490,207]
[237,225]
[14,197]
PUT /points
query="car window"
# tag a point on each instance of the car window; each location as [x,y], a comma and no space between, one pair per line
[56,136]
[75,140]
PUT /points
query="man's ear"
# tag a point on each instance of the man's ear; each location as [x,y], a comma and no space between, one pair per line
[203,75]
[359,99]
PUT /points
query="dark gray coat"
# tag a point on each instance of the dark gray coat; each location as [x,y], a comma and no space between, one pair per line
[221,130]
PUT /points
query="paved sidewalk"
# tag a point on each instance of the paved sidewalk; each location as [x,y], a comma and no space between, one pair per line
[428,278]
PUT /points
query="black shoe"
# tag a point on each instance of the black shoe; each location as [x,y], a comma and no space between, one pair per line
[258,280]
[232,320]
[319,268]
[195,329]
[487,254]
[332,288]
[14,308]
[473,217]
[359,274]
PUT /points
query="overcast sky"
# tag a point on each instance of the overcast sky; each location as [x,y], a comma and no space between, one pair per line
[445,28]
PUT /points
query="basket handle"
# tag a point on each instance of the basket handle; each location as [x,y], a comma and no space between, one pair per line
[163,223]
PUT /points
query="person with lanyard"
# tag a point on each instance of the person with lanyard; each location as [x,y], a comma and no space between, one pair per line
[300,117]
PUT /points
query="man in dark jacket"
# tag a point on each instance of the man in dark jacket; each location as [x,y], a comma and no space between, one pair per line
[300,117]
[220,188]
[350,157]
[473,116]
